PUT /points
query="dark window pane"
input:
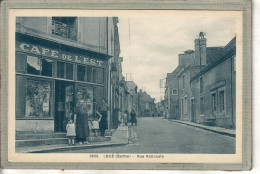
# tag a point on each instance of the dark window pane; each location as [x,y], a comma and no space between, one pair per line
[60,69]
[69,71]
[20,63]
[94,75]
[81,73]
[33,65]
[20,99]
[47,67]
[100,75]
[89,74]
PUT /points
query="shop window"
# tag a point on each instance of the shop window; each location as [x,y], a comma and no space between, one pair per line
[222,101]
[20,63]
[60,69]
[33,65]
[69,71]
[201,106]
[100,76]
[214,102]
[38,99]
[89,74]
[47,67]
[94,75]
[81,73]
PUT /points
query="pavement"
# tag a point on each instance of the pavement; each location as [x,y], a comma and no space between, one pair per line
[215,129]
[66,147]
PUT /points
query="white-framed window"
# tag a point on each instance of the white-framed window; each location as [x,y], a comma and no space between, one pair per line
[174,91]
[214,102]
[222,101]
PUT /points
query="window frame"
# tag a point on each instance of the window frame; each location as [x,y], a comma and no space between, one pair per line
[39,57]
[223,112]
[216,101]
[176,91]
[51,100]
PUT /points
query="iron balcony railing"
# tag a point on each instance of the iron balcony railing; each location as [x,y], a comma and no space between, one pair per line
[64,30]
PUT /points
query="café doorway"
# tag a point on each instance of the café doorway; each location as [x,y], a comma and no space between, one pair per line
[64,104]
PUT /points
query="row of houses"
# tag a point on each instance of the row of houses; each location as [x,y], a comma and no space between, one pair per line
[202,89]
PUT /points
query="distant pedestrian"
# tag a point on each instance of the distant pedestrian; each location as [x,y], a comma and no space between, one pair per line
[133,117]
[103,109]
[71,132]
[124,119]
[127,116]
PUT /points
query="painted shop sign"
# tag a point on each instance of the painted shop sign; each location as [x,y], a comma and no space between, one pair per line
[43,51]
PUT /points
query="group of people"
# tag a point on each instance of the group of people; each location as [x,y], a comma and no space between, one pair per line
[125,116]
[78,125]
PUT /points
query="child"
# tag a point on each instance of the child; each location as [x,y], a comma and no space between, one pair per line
[95,124]
[71,132]
[124,119]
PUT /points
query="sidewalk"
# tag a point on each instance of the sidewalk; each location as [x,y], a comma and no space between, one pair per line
[218,130]
[66,147]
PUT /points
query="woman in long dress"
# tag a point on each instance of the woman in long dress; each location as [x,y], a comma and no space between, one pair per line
[103,122]
[81,120]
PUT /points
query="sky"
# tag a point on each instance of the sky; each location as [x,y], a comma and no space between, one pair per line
[150,44]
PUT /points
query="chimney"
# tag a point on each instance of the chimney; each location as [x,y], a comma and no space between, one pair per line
[200,49]
[181,59]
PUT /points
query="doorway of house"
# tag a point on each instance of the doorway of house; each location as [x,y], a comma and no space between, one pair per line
[64,104]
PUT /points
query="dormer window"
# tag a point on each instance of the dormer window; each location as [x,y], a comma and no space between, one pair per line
[64,27]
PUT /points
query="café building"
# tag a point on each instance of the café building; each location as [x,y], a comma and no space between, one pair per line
[51,78]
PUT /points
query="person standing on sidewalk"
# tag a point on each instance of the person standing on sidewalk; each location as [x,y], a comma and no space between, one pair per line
[81,120]
[103,109]
[71,132]
[133,117]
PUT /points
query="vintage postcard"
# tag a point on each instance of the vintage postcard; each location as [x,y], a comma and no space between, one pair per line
[137,85]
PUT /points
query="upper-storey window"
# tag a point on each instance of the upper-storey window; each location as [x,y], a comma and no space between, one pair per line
[64,27]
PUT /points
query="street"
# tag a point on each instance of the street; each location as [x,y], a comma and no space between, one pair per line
[158,135]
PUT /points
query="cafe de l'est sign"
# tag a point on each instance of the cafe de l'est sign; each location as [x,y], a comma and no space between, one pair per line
[59,54]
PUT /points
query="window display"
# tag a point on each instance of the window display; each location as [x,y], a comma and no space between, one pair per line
[38,99]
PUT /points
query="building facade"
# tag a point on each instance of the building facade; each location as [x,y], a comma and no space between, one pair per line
[205,80]
[61,62]
[215,91]
[146,104]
